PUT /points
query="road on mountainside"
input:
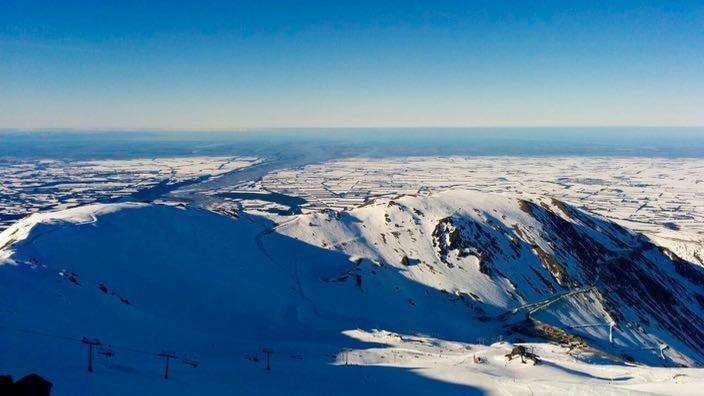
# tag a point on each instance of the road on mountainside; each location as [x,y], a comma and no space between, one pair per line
[628,254]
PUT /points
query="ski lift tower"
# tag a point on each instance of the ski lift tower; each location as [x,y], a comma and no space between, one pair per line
[91,342]
[268,352]
[168,356]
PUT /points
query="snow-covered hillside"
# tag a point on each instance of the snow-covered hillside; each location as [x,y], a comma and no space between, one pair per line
[495,255]
[406,291]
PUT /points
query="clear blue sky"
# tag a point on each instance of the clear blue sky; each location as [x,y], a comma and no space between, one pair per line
[220,65]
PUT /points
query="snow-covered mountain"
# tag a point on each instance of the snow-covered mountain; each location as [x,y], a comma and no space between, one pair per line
[456,267]
[494,255]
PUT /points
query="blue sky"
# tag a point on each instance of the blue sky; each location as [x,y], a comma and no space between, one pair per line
[223,65]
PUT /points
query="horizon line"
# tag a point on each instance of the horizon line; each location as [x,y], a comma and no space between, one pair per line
[336,127]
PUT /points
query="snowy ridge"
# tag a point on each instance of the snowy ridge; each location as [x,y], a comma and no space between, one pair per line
[496,253]
[77,216]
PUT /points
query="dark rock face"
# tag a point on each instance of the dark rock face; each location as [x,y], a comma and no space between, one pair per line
[569,244]
[446,238]
[642,287]
[641,284]
[654,295]
[465,238]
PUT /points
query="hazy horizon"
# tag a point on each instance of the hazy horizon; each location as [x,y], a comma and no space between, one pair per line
[298,128]
[314,144]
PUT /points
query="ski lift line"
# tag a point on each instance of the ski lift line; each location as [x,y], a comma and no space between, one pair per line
[79,340]
[661,348]
[133,350]
[42,333]
[188,358]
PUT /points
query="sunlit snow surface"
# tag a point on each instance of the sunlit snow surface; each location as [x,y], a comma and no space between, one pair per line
[221,288]
[145,278]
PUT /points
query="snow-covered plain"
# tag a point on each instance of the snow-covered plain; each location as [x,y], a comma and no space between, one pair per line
[29,186]
[660,197]
[645,194]
[397,296]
